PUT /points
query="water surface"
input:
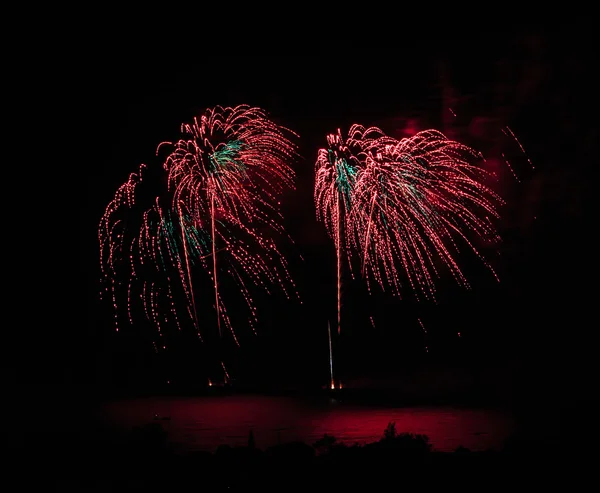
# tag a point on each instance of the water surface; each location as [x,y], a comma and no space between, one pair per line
[204,423]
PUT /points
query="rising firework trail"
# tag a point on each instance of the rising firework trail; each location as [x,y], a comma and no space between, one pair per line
[330,356]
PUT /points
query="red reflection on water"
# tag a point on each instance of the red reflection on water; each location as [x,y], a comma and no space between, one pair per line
[207,422]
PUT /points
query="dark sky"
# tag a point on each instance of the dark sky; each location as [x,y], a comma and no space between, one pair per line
[532,326]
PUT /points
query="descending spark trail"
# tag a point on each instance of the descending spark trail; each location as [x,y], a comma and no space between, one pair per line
[187,266]
[224,180]
[425,334]
[226,377]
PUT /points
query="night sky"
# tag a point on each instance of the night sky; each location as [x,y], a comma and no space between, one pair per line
[530,332]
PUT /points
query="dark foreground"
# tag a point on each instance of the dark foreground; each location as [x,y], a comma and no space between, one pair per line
[142,461]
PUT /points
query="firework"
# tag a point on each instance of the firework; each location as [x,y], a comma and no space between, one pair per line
[336,171]
[416,202]
[228,173]
[140,254]
[216,211]
[402,205]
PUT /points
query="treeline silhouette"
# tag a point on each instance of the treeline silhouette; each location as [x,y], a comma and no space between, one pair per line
[143,460]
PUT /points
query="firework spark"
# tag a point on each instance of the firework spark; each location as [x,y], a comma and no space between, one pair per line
[220,211]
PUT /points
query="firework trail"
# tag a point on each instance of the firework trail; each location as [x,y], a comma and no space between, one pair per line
[332,383]
[217,197]
[336,171]
[228,173]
